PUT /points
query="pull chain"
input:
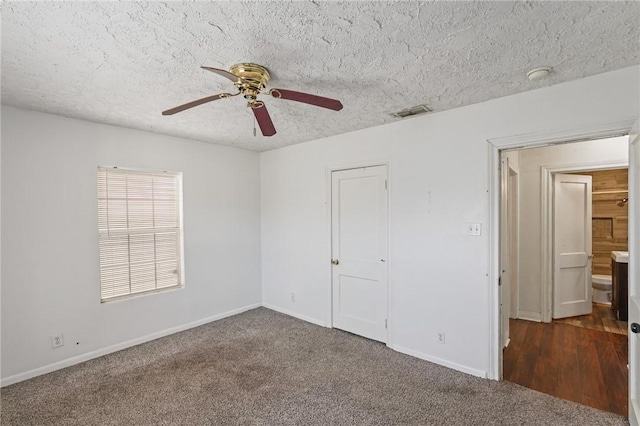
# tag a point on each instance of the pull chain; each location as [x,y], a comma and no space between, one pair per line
[254,126]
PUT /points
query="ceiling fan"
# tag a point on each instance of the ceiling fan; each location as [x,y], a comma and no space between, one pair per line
[251,81]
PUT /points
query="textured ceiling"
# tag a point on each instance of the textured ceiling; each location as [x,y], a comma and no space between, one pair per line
[123,63]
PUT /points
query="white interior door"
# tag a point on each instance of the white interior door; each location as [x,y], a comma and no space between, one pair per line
[634,275]
[359,251]
[572,245]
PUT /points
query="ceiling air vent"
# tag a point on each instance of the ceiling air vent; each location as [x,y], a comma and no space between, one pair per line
[408,112]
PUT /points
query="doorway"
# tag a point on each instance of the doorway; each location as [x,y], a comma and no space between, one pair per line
[572,361]
[609,240]
[359,247]
[609,174]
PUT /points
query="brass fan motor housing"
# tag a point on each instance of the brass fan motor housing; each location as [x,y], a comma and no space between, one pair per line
[251,81]
[254,79]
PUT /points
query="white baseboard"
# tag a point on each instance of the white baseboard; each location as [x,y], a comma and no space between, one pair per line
[443,362]
[295,315]
[530,316]
[124,345]
[119,346]
[397,348]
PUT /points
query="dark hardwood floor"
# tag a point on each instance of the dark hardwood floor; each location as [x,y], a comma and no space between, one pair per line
[602,318]
[575,363]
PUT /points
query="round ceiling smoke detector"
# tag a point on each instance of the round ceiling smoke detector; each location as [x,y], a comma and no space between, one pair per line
[539,73]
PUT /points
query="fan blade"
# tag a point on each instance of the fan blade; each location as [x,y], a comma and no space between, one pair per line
[264,119]
[195,103]
[224,73]
[307,98]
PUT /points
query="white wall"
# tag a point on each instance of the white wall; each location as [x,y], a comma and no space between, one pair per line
[50,281]
[530,162]
[439,180]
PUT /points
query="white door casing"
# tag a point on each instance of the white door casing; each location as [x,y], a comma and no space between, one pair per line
[508,248]
[513,220]
[359,246]
[572,211]
[505,253]
[598,130]
[634,273]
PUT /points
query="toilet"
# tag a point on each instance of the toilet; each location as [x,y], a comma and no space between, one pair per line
[601,289]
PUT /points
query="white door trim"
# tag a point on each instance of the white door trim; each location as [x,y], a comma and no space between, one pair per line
[329,169]
[589,132]
[495,340]
[504,247]
[494,145]
[634,267]
[509,263]
[546,228]
[514,264]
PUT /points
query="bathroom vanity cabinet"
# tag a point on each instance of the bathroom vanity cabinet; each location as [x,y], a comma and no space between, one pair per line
[620,284]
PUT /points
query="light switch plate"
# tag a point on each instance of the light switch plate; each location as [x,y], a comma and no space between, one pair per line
[474,229]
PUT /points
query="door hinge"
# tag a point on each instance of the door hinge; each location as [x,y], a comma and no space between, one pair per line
[385,323]
[385,184]
[499,281]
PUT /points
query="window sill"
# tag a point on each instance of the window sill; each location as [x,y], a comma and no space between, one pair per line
[141,294]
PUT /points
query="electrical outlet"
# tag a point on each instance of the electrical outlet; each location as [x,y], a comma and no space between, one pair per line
[293,297]
[441,337]
[57,341]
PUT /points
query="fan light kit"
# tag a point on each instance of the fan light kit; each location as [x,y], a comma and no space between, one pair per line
[539,73]
[251,80]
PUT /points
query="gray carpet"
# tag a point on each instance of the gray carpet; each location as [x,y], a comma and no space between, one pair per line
[264,368]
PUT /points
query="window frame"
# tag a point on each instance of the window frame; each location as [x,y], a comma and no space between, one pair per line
[180,232]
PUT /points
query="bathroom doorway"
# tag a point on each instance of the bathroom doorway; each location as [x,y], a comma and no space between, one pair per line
[578,354]
[588,231]
[610,245]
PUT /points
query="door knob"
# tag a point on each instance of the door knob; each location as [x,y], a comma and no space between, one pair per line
[335,261]
[635,327]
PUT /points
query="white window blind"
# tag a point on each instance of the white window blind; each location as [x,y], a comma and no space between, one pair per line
[140,231]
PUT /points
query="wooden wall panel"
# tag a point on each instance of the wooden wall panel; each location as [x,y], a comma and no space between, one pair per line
[610,216]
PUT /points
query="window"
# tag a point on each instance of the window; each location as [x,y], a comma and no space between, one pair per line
[140,231]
